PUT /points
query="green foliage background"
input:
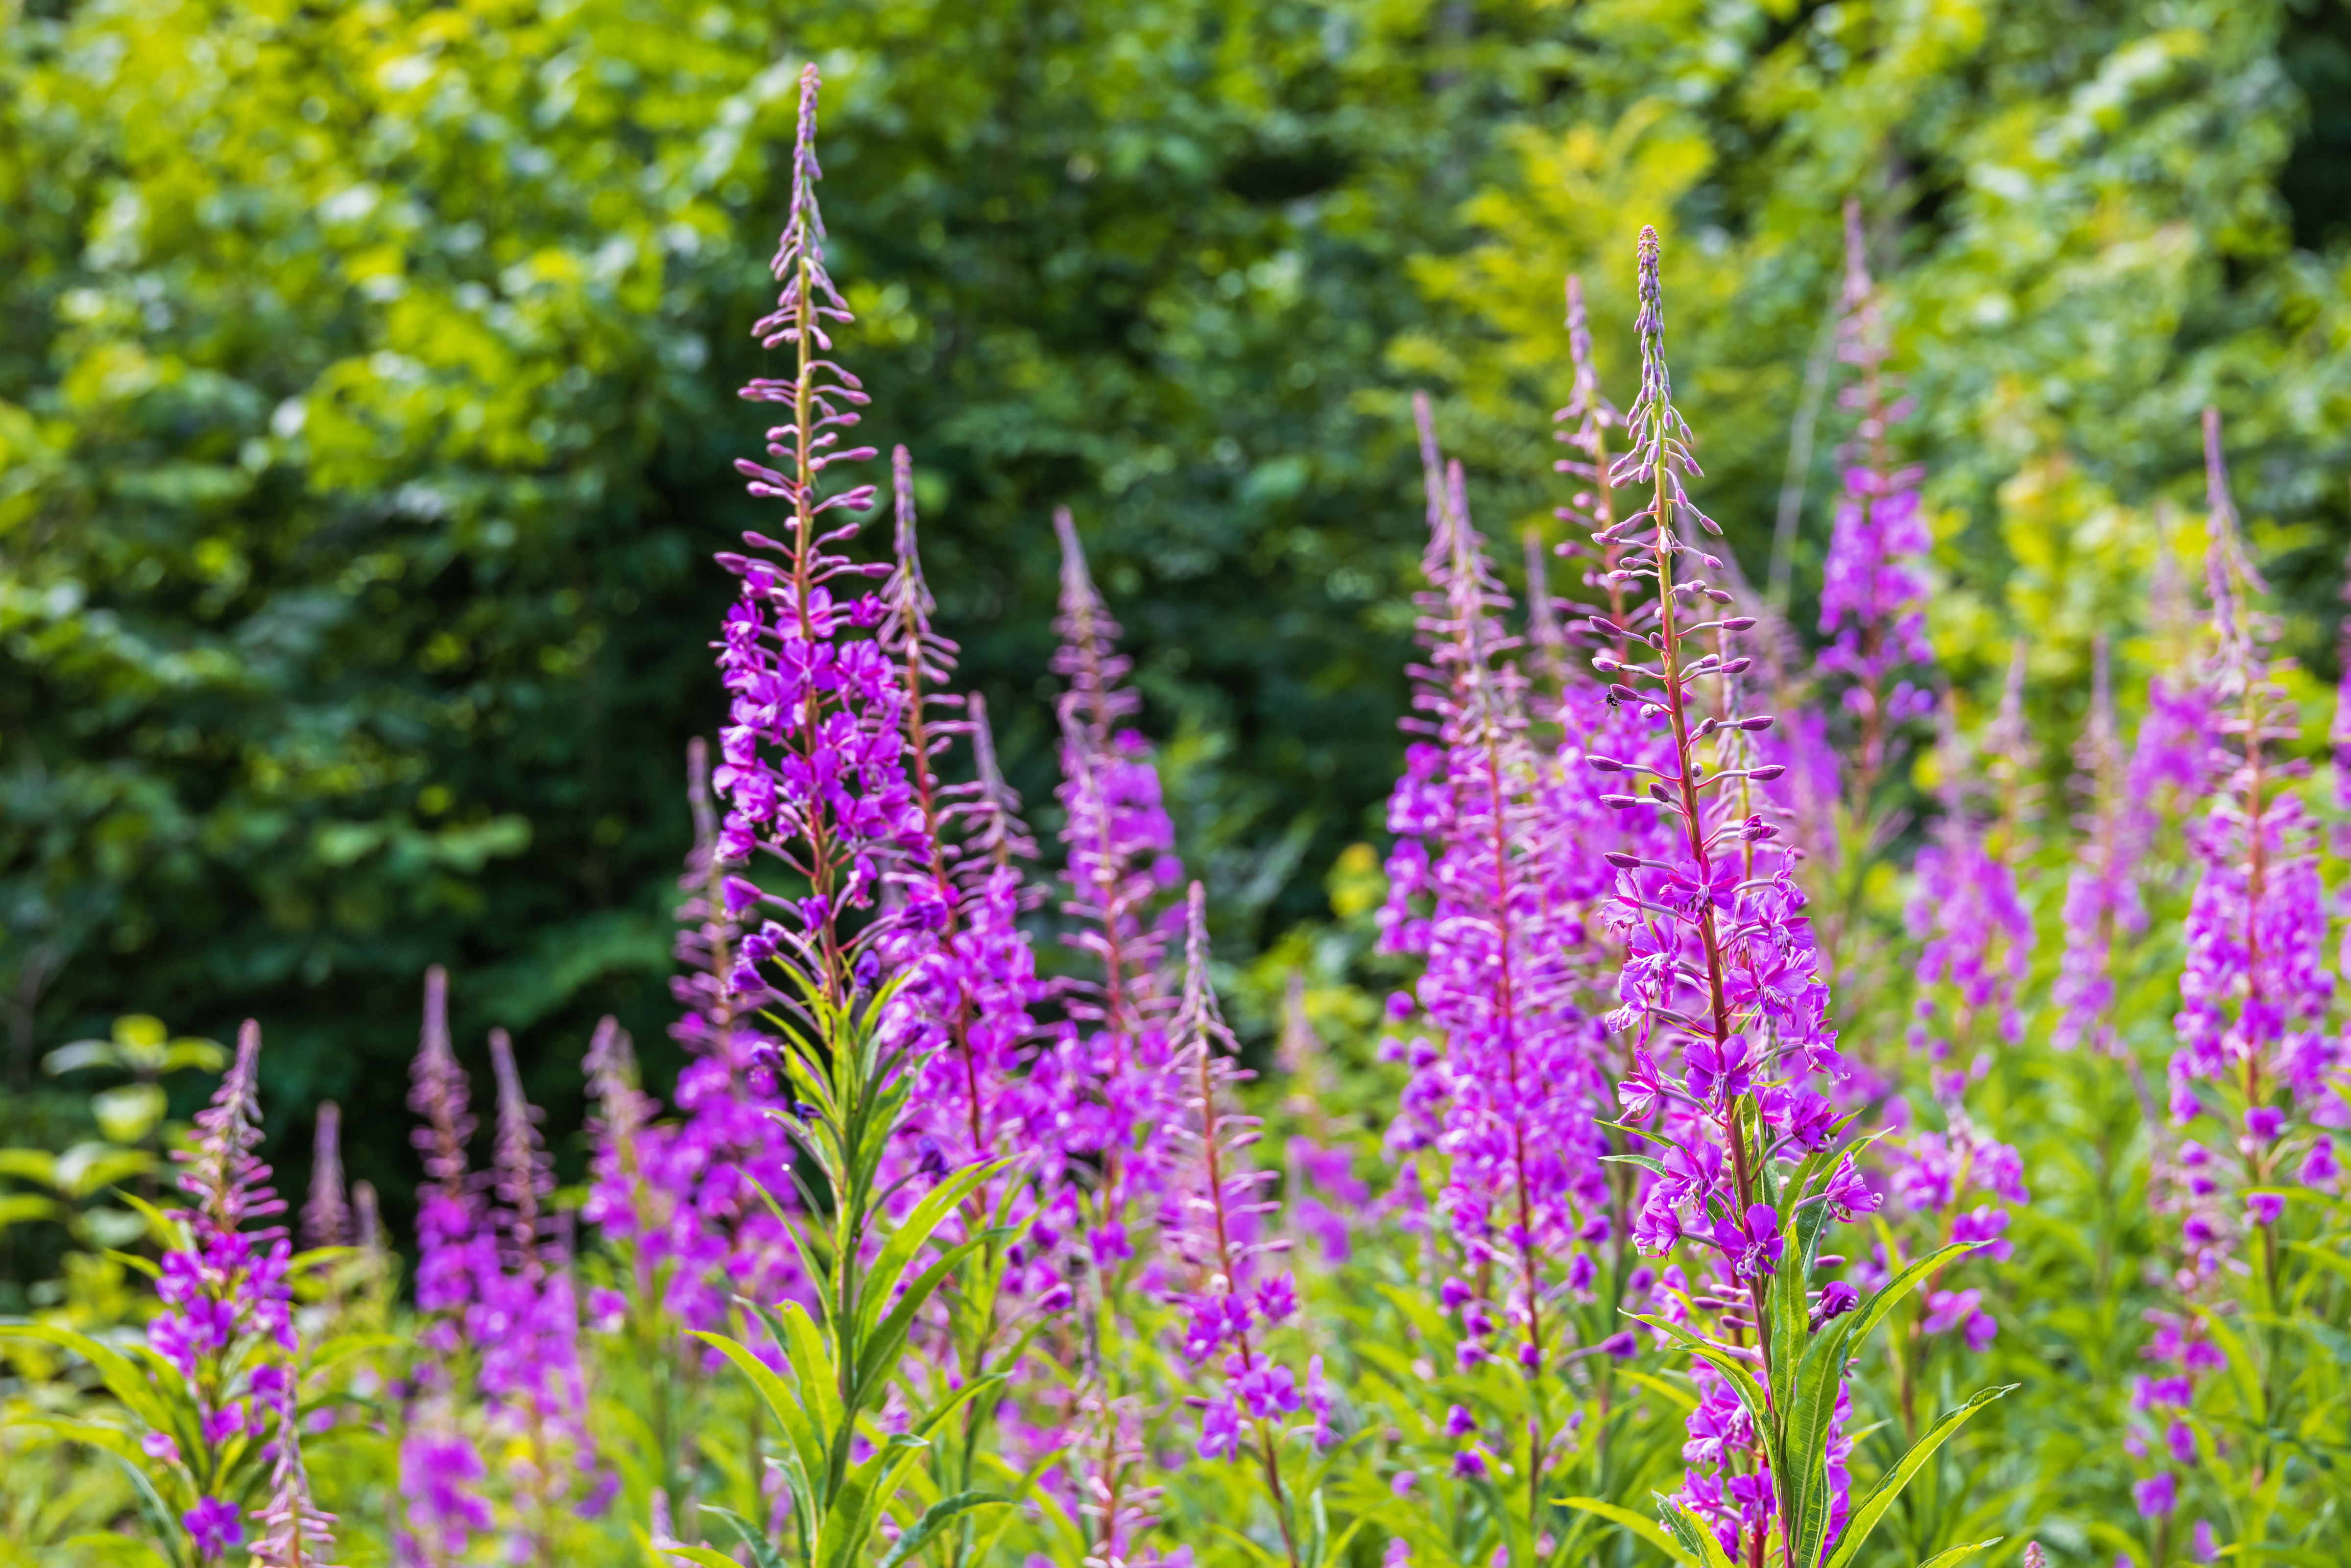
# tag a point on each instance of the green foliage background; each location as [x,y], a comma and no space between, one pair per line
[365,411]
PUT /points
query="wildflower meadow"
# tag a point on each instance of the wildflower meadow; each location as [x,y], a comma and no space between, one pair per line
[1773,1092]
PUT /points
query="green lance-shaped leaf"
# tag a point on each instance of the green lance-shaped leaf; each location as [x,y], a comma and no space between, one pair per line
[1882,1496]
[936,1518]
[1648,1530]
[864,1492]
[1812,1406]
[755,1540]
[1958,1554]
[813,1365]
[117,1371]
[1699,1546]
[809,1446]
[913,1234]
[879,1355]
[703,1555]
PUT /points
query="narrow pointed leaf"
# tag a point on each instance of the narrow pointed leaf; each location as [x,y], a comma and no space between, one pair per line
[936,1518]
[809,1446]
[914,1232]
[812,1358]
[1648,1530]
[1696,1536]
[1881,1497]
[879,1352]
[763,1550]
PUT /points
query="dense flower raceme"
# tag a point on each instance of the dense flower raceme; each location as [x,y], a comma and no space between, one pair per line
[1489,883]
[2103,906]
[2170,767]
[971,975]
[1110,1073]
[813,755]
[1731,1047]
[683,1197]
[327,1215]
[1220,1235]
[227,1330]
[526,1322]
[1873,590]
[2256,1079]
[440,1465]
[710,1229]
[2254,1065]
[1976,950]
[1975,939]
[502,1319]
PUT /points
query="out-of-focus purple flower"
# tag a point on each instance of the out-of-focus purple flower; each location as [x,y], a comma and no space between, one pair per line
[2156,1496]
[326,1216]
[438,1474]
[213,1525]
[1495,878]
[2254,1049]
[1874,586]
[2180,1438]
[699,1216]
[1318,1404]
[1220,1430]
[1110,1070]
[1277,1297]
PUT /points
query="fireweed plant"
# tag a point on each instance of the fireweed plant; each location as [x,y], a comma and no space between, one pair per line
[2257,1098]
[1567,1229]
[1753,1157]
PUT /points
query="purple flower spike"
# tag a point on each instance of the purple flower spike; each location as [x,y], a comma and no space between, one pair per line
[1874,586]
[1733,1063]
[227,1325]
[1116,1053]
[2255,1048]
[1496,884]
[813,758]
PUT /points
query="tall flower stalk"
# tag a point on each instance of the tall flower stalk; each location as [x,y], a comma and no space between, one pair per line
[217,1387]
[2102,904]
[1721,981]
[1221,1232]
[1477,890]
[1872,596]
[443,1506]
[2257,1081]
[1121,864]
[1594,505]
[815,774]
